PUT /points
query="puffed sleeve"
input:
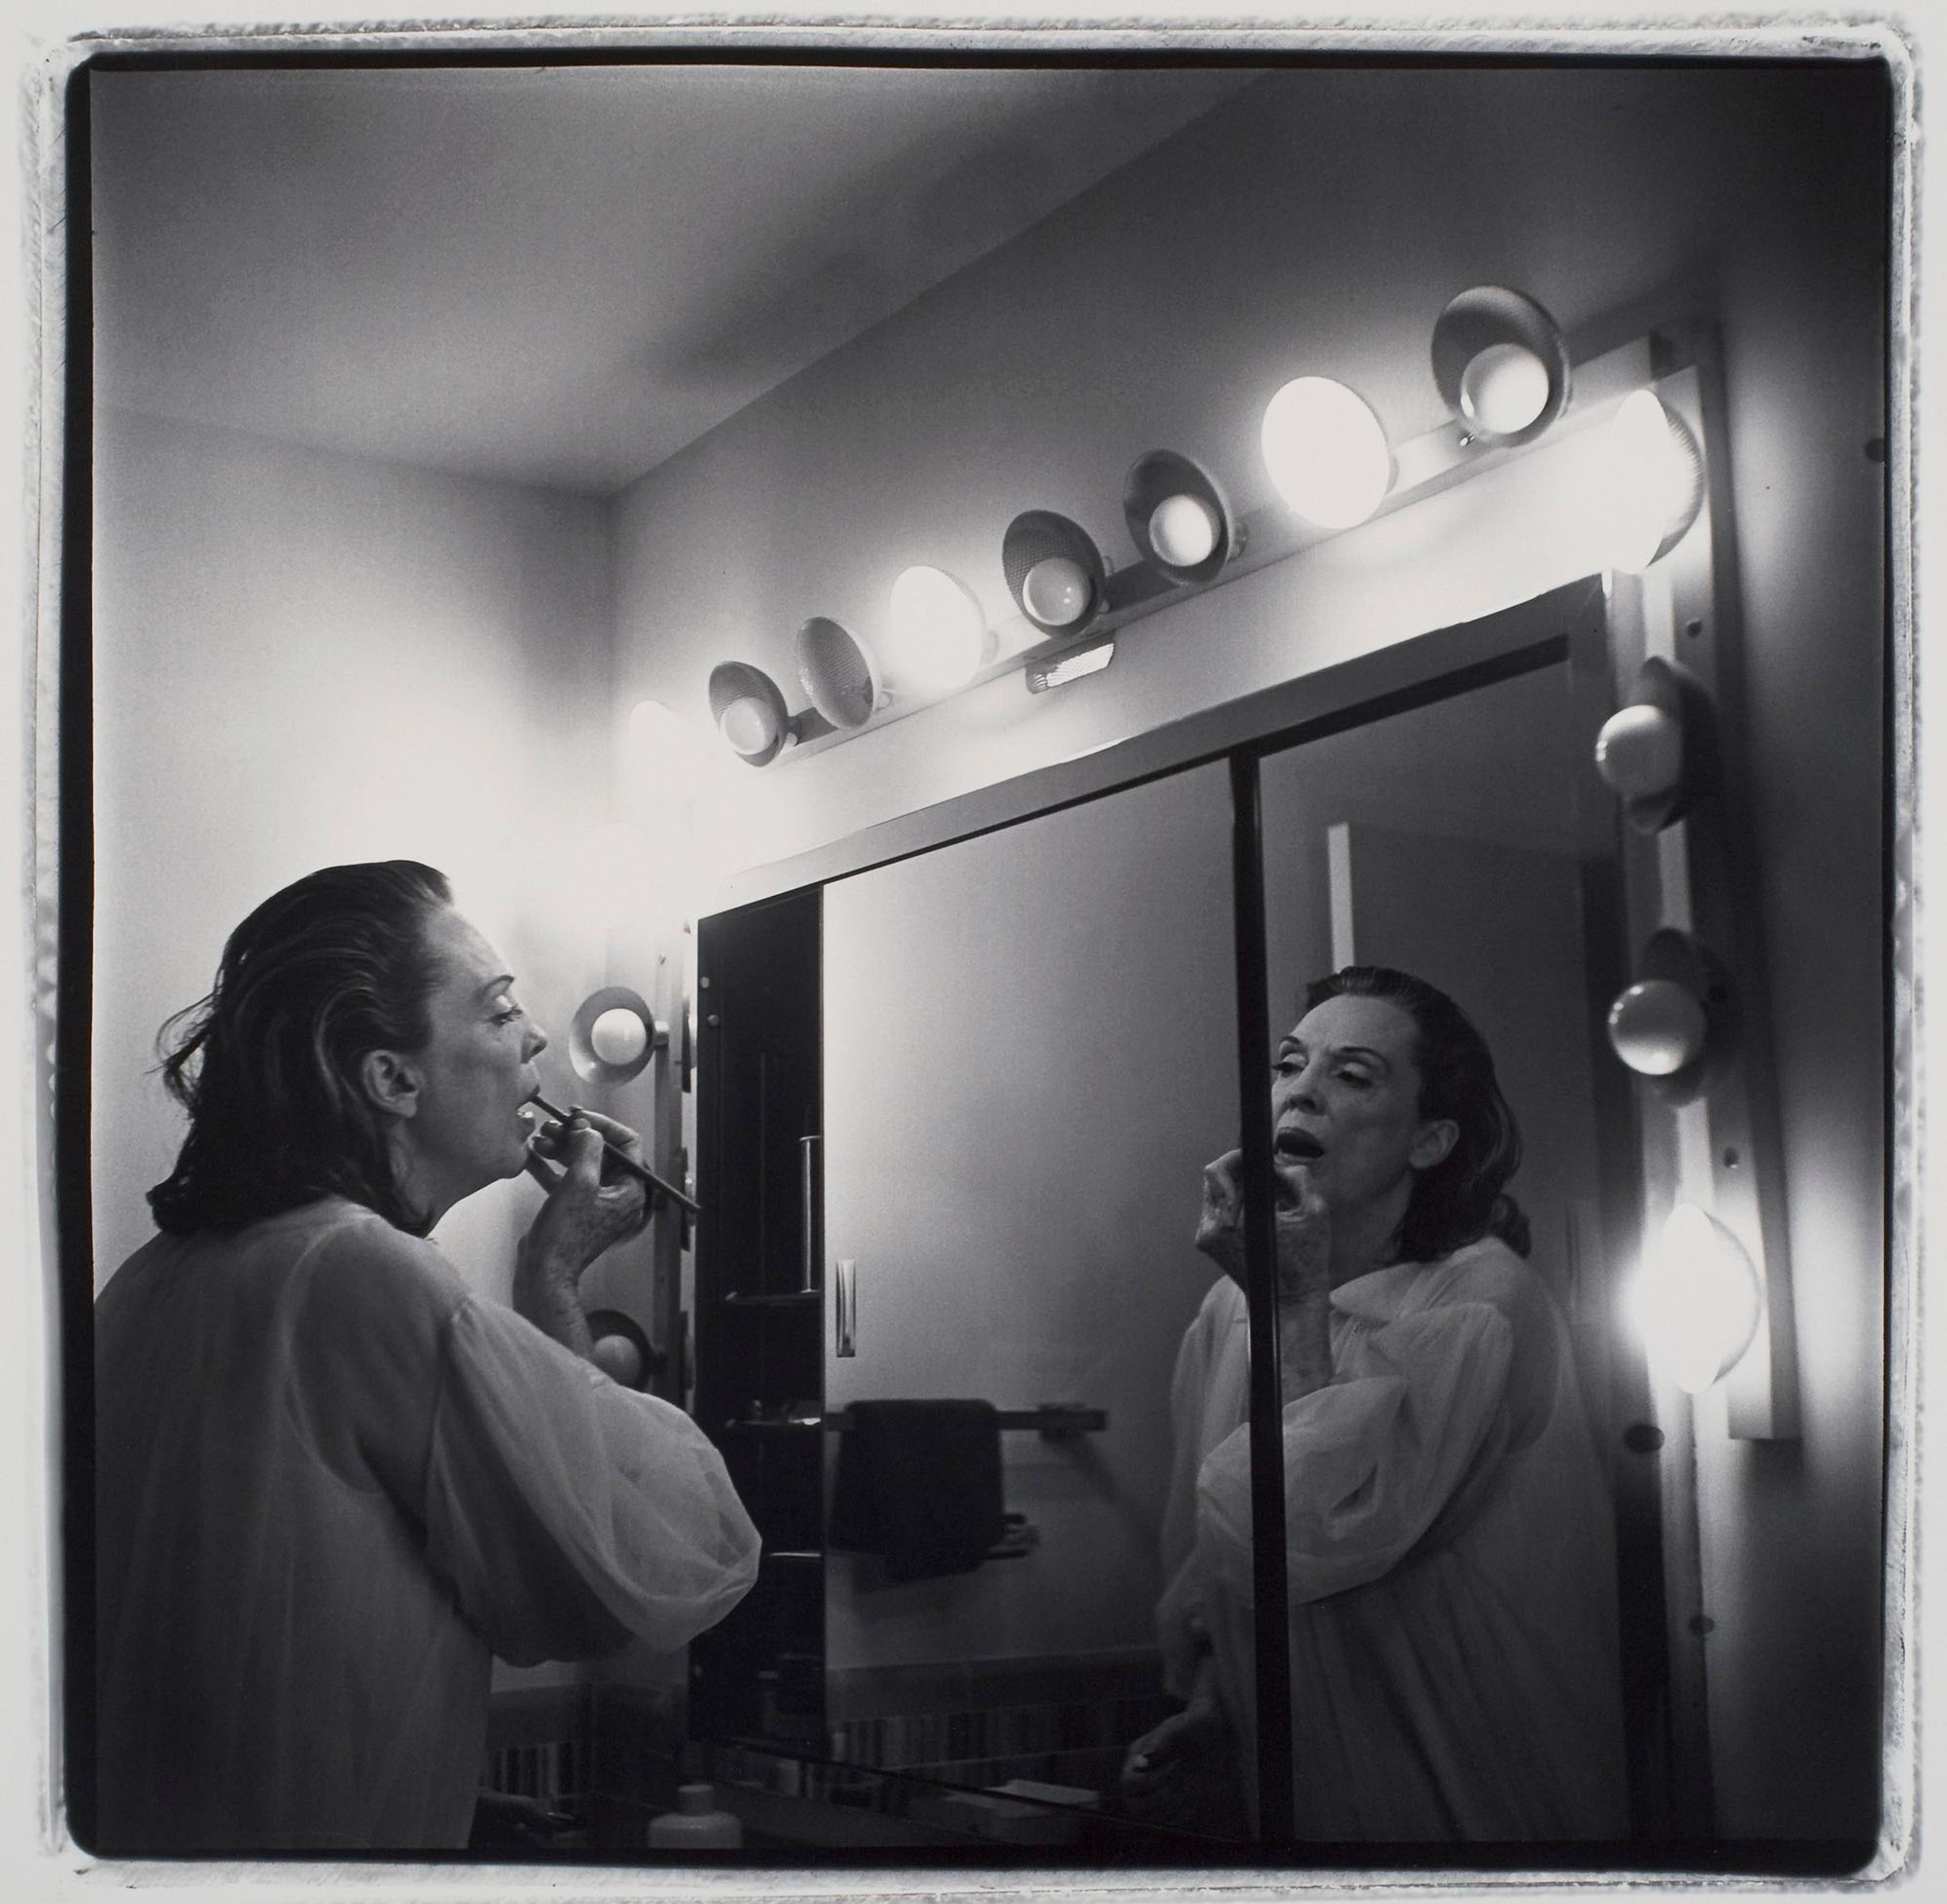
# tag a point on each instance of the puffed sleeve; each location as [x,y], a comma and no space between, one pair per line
[570,1514]
[1372,1460]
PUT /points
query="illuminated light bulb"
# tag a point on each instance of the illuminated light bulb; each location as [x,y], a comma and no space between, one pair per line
[1657,1027]
[1504,388]
[1639,752]
[1057,590]
[939,633]
[1695,1303]
[750,725]
[1325,452]
[1652,485]
[1183,531]
[618,1036]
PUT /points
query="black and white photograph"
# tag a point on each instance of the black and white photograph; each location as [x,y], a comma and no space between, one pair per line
[980,954]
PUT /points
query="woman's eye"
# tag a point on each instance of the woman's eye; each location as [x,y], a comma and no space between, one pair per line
[1355,1077]
[505,1011]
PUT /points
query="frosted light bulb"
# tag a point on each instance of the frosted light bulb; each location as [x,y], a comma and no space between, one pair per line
[1653,485]
[1639,752]
[1056,590]
[1658,1028]
[1183,531]
[618,1358]
[938,634]
[749,725]
[618,1036]
[1696,1303]
[1325,452]
[1504,388]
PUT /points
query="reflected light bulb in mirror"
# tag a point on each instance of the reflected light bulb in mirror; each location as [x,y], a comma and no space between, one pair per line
[1504,388]
[1639,752]
[939,633]
[1658,1028]
[1056,590]
[1652,488]
[1325,452]
[618,1036]
[1695,1303]
[1183,531]
[618,1358]
[749,725]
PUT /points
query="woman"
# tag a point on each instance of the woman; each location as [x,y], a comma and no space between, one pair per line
[331,1483]
[1449,1545]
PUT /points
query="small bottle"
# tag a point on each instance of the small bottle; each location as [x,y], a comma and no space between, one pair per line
[696,1825]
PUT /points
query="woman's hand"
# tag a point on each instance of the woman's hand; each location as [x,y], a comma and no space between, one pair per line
[1303,1226]
[583,1217]
[1160,1757]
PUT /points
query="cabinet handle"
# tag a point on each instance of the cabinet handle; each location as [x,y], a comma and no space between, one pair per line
[808,1189]
[848,1307]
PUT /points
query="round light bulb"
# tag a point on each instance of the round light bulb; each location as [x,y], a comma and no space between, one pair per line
[1504,388]
[939,633]
[1183,531]
[1325,452]
[1657,1027]
[1639,752]
[1651,489]
[1056,590]
[618,1358]
[618,1036]
[1696,1303]
[749,725]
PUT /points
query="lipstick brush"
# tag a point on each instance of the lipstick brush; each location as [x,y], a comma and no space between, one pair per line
[623,1161]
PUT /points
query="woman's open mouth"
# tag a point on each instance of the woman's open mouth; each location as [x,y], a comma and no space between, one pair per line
[1299,1146]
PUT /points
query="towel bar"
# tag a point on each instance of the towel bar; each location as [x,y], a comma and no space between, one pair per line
[1055,1420]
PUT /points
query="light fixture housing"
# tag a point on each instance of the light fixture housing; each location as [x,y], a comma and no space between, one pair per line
[1696,1302]
[1501,363]
[749,713]
[1651,487]
[1676,1026]
[1054,571]
[601,1049]
[1177,516]
[837,673]
[1325,452]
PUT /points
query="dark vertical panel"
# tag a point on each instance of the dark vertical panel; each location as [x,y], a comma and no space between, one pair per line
[1275,1821]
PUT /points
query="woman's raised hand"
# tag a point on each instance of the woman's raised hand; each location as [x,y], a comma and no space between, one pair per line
[1303,1225]
[583,1217]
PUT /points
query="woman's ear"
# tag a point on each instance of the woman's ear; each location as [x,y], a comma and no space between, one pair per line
[392,1082]
[1432,1142]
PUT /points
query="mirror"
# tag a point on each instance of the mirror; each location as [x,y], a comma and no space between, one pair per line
[1038,1027]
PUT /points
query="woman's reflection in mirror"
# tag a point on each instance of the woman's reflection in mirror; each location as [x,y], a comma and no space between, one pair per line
[1450,1543]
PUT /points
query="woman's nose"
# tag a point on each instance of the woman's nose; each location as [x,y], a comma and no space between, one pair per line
[537,1040]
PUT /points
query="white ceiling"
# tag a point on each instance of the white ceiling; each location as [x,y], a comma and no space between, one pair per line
[557,275]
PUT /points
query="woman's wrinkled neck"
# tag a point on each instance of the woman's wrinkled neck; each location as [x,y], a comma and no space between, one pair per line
[1367,1238]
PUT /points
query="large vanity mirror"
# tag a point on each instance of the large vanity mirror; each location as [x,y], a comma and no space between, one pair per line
[984,1140]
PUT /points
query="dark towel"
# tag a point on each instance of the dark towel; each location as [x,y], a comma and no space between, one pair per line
[919,1483]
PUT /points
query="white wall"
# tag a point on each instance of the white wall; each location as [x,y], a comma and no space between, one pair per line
[1318,222]
[302,659]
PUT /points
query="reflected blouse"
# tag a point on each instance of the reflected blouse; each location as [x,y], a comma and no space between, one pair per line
[331,1483]
[1450,1554]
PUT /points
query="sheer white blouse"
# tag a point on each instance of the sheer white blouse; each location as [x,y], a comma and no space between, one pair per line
[330,1485]
[1450,1554]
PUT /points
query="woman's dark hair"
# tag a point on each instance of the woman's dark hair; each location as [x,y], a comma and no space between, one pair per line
[331,969]
[1459,1199]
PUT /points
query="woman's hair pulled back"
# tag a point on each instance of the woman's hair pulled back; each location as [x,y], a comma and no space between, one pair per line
[1460,1199]
[334,967]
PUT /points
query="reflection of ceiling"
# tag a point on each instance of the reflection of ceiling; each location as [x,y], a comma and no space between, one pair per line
[557,275]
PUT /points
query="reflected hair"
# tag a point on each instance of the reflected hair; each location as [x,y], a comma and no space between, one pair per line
[1460,1199]
[335,966]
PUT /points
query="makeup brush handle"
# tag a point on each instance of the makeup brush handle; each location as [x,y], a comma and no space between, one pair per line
[640,1172]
